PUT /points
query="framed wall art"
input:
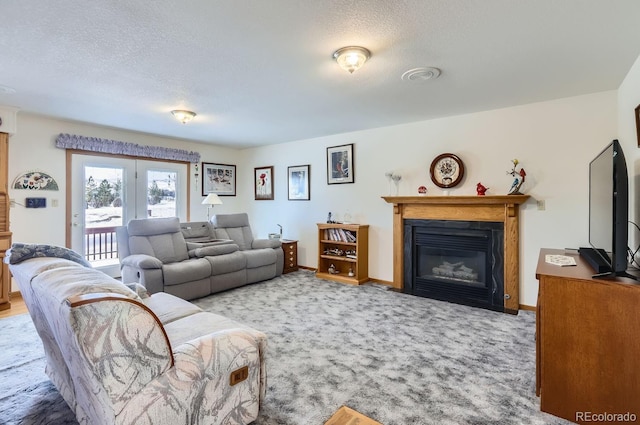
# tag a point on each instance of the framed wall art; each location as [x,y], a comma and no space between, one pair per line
[35,180]
[298,182]
[340,167]
[219,179]
[263,180]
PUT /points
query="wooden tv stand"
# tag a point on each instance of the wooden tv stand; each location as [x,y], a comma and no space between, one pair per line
[587,344]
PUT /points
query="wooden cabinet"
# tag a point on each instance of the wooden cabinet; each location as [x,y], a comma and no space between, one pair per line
[290,249]
[587,345]
[5,234]
[343,252]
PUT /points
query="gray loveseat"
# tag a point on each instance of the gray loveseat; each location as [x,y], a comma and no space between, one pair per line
[155,253]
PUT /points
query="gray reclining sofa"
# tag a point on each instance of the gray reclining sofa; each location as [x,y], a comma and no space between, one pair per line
[155,253]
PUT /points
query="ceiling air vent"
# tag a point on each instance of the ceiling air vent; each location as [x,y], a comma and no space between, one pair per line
[421,74]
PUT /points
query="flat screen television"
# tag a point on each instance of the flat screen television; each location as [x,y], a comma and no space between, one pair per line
[608,212]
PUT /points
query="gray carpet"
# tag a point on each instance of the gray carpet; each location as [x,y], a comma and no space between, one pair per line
[396,358]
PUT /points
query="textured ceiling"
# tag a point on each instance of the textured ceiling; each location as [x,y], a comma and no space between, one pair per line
[260,72]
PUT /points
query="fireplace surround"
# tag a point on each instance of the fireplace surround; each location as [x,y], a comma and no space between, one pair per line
[495,208]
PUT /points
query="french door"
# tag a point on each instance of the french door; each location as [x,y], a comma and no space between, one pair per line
[107,192]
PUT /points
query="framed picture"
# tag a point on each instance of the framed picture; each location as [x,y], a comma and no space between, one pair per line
[219,179]
[263,180]
[340,164]
[298,183]
[638,123]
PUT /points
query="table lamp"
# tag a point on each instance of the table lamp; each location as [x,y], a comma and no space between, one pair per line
[211,200]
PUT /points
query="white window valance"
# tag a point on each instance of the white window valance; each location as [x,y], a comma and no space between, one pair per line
[95,144]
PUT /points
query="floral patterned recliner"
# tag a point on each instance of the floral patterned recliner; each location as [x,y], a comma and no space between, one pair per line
[120,356]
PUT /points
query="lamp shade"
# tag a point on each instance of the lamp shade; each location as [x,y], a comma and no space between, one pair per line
[212,199]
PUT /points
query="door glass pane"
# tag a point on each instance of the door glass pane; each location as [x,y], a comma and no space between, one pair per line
[102,213]
[161,193]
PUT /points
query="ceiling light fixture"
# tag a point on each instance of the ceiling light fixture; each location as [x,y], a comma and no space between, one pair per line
[351,58]
[183,116]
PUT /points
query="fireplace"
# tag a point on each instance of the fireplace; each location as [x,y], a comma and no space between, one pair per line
[456,261]
[502,209]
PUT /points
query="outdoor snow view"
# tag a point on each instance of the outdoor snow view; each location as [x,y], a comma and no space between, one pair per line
[104,199]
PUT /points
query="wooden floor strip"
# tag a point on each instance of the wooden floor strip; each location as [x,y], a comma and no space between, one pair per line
[17,306]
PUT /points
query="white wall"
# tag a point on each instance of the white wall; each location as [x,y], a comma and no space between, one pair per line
[554,142]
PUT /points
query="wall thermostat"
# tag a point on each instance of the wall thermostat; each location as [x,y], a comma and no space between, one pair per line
[36,202]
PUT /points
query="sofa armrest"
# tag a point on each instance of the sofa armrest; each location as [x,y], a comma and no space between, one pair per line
[235,348]
[141,261]
[266,243]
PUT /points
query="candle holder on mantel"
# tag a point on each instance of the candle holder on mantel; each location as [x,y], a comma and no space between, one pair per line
[396,179]
[388,175]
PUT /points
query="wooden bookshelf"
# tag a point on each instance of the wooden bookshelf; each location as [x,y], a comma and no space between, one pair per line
[350,246]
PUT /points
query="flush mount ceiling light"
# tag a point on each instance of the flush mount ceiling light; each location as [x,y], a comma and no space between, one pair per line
[183,116]
[421,74]
[351,58]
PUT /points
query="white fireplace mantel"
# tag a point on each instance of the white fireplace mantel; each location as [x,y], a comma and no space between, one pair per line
[497,208]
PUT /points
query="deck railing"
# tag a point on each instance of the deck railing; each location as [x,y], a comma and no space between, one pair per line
[100,243]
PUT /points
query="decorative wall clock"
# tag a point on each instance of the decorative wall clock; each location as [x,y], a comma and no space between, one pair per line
[447,170]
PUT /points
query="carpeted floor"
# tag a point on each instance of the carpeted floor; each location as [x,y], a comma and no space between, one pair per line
[396,358]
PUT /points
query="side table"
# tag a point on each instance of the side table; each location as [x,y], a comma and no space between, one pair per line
[290,249]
